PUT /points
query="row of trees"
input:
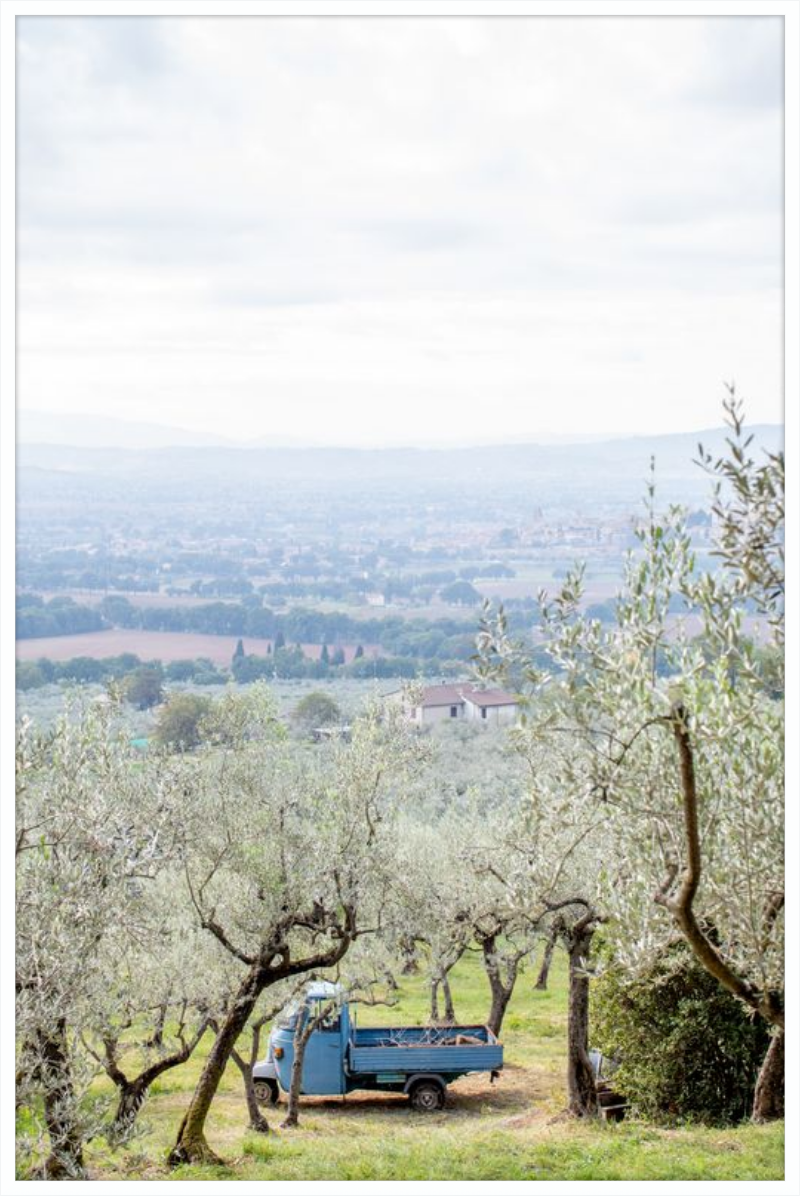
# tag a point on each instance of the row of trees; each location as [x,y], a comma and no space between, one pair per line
[333,575]
[58,616]
[300,625]
[128,667]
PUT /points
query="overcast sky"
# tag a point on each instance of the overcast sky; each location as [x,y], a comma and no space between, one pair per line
[362,231]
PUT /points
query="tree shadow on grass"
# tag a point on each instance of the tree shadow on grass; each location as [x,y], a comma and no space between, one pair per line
[473,1096]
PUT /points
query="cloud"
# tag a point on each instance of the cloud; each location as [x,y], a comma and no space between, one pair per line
[743,64]
[216,209]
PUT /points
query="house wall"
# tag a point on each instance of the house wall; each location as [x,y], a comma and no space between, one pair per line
[427,715]
[496,716]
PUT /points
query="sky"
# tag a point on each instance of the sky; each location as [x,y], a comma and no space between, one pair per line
[368,231]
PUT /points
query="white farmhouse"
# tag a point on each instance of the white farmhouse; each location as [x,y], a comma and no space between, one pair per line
[441,703]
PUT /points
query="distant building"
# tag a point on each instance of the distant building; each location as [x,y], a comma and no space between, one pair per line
[441,703]
[490,707]
[326,734]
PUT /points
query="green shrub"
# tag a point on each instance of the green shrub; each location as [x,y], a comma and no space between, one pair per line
[686,1047]
[29,675]
[178,723]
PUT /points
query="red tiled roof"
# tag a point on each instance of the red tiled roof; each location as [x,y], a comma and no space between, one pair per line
[454,695]
[443,695]
[490,697]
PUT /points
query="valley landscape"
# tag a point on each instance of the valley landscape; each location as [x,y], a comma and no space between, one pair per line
[399,596]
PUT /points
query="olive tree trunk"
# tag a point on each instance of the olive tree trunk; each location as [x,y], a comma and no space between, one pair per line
[133,1093]
[302,1033]
[54,1069]
[581,1086]
[408,950]
[501,990]
[191,1145]
[768,1102]
[258,1122]
[449,1008]
[132,1096]
[301,1037]
[547,959]
[441,981]
[681,903]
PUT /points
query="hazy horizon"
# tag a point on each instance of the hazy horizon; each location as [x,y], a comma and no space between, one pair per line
[54,429]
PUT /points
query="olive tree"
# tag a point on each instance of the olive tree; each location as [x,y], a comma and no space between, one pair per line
[159,994]
[545,859]
[454,897]
[432,903]
[92,832]
[285,866]
[315,710]
[675,735]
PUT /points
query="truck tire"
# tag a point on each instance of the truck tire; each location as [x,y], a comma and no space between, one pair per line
[427,1096]
[267,1091]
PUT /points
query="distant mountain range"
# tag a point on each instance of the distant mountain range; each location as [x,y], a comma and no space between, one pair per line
[100,431]
[582,475]
[45,429]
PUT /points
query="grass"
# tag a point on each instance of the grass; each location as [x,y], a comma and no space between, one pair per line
[511,1130]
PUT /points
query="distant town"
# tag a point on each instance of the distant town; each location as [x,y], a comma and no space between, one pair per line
[319,564]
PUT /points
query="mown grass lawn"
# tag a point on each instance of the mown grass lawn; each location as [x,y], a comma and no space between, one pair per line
[511,1130]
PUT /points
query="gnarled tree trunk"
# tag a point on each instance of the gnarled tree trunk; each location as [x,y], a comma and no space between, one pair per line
[501,992]
[65,1160]
[302,1033]
[132,1096]
[768,1102]
[191,1145]
[408,950]
[133,1093]
[258,1121]
[681,904]
[581,1086]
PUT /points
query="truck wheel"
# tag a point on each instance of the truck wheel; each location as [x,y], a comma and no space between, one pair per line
[427,1097]
[267,1092]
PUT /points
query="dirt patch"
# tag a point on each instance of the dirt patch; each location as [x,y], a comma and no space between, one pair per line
[514,1093]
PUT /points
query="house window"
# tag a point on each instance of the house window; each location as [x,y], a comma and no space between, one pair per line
[454,711]
[483,712]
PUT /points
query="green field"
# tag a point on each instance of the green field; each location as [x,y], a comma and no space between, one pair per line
[511,1130]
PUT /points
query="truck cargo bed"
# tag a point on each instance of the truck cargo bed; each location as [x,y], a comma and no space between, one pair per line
[410,1049]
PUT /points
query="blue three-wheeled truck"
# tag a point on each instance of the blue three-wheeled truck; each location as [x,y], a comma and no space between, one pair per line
[419,1061]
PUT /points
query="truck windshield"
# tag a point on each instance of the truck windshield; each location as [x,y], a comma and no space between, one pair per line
[287,1018]
[331,1021]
